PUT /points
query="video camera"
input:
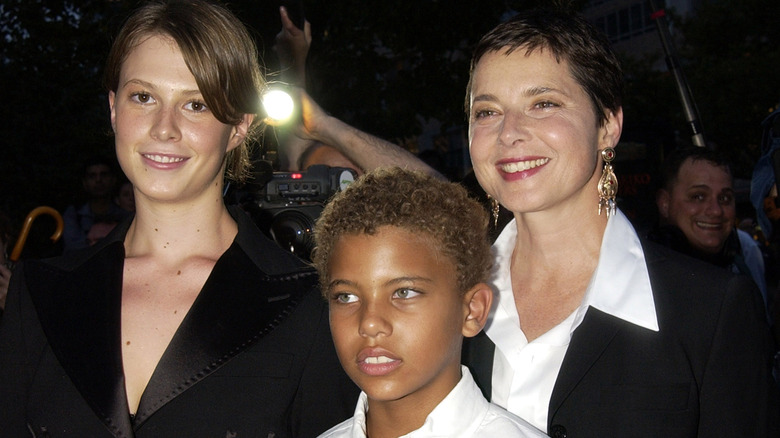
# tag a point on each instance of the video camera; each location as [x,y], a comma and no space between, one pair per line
[288,205]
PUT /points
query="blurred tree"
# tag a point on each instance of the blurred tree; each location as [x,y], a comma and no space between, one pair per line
[54,111]
[732,59]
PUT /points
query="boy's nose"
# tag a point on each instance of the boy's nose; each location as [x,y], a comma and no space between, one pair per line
[373,323]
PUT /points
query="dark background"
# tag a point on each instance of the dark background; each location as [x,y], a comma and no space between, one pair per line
[387,67]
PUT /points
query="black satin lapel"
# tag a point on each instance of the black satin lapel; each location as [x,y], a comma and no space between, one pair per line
[587,344]
[478,353]
[237,306]
[86,338]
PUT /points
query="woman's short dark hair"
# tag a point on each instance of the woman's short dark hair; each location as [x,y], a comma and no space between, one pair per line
[219,52]
[567,36]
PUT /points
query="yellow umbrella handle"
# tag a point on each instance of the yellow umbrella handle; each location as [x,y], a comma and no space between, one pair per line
[28,224]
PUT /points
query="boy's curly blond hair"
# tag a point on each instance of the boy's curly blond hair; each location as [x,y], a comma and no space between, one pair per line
[416,202]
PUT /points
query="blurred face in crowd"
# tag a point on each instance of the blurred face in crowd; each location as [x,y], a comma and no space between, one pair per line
[99,181]
[329,156]
[700,203]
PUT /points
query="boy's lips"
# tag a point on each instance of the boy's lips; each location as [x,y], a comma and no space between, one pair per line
[377,361]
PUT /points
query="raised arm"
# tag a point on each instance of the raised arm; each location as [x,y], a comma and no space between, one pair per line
[292,47]
[367,151]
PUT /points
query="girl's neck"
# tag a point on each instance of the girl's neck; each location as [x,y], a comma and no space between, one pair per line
[176,232]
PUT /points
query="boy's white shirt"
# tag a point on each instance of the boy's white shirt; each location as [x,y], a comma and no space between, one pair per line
[463,413]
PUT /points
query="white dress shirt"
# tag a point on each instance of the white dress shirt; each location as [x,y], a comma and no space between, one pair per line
[463,413]
[524,373]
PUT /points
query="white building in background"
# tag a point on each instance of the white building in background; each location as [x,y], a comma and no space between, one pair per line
[629,25]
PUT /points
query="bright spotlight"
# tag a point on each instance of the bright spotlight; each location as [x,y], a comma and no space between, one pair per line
[278,106]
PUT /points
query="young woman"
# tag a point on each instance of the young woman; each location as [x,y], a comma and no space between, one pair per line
[185,320]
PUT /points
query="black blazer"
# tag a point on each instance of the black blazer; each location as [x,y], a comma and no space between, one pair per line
[252,358]
[705,373]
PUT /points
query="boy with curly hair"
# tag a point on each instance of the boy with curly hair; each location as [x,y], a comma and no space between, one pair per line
[403,258]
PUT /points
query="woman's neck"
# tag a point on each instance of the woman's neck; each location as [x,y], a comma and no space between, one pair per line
[180,231]
[561,233]
[553,260]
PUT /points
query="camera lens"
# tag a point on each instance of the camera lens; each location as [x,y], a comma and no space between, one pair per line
[292,229]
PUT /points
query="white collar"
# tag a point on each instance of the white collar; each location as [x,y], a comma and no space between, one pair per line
[454,416]
[620,286]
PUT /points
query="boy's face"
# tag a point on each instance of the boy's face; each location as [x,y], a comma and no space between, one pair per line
[397,316]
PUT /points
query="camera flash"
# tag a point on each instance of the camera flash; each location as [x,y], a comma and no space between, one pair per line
[278,106]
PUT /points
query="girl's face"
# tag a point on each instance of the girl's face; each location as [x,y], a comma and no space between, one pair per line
[168,142]
[533,133]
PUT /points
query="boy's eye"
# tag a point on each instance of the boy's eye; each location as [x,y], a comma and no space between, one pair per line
[344,298]
[405,294]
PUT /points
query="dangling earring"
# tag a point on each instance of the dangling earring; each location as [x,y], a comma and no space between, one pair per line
[494,209]
[608,184]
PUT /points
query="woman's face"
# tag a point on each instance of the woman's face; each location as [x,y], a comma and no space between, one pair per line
[533,132]
[168,142]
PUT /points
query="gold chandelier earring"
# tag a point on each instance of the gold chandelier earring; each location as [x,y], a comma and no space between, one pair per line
[608,184]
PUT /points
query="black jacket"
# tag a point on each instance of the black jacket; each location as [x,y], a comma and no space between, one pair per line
[252,358]
[705,373]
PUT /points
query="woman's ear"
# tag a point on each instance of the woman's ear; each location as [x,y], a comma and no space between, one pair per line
[476,305]
[613,127]
[111,100]
[239,131]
